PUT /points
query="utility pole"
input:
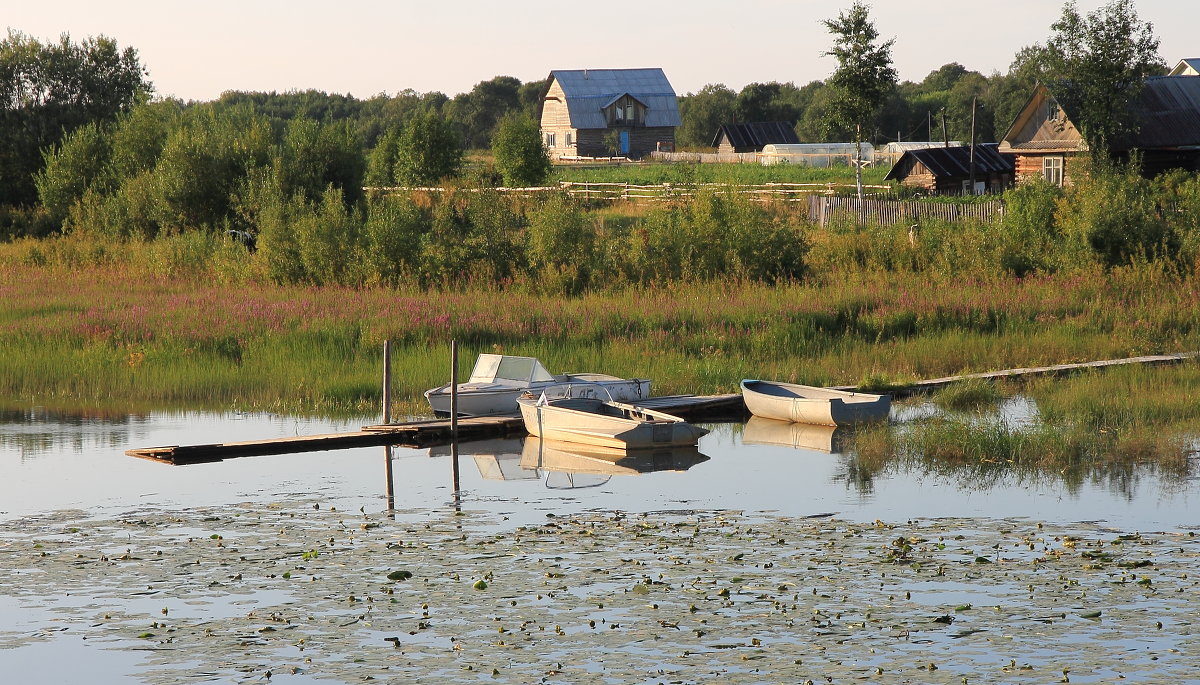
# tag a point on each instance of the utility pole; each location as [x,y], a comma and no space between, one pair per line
[973,100]
[945,139]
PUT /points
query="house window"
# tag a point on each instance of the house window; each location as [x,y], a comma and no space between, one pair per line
[1052,110]
[1052,170]
[550,140]
[568,142]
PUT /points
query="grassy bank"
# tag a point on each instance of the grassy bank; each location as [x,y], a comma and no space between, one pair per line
[95,336]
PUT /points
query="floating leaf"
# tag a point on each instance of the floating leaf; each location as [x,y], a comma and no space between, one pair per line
[480,585]
[402,575]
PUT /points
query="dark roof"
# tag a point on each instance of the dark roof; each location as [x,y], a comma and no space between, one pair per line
[953,162]
[1168,113]
[757,134]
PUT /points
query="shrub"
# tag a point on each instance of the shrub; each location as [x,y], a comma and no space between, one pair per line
[1112,210]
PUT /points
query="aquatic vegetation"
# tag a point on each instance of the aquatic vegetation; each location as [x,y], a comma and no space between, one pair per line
[297,588]
[973,393]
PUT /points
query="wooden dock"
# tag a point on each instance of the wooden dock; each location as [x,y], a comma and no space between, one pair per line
[690,407]
[421,433]
[935,384]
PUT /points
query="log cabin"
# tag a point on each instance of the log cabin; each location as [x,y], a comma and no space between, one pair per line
[1167,113]
[948,169]
[608,112]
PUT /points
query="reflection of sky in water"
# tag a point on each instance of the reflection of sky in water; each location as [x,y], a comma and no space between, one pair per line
[52,462]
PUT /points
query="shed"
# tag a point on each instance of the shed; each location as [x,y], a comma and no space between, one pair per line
[948,169]
[815,154]
[753,136]
[603,112]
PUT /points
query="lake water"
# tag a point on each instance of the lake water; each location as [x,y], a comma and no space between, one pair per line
[52,461]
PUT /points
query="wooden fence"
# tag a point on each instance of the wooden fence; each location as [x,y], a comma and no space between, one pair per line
[785,192]
[822,210]
[824,202]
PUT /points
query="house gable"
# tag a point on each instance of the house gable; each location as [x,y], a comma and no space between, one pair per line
[1042,126]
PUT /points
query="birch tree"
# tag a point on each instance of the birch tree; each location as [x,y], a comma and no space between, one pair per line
[864,76]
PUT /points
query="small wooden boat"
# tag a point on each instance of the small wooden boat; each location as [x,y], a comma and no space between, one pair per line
[809,404]
[497,380]
[592,421]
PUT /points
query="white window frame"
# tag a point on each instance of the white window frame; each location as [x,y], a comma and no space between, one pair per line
[568,142]
[550,139]
[1053,169]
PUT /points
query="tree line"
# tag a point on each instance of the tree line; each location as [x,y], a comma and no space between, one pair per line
[82,137]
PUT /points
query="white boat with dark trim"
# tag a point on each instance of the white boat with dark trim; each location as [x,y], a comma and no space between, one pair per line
[810,404]
[497,380]
[593,421]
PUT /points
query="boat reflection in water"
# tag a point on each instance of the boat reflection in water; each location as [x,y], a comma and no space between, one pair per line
[808,436]
[568,465]
[498,459]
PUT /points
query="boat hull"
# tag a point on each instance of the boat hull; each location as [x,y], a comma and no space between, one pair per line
[809,404]
[605,424]
[489,399]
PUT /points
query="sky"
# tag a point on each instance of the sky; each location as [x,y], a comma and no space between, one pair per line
[198,50]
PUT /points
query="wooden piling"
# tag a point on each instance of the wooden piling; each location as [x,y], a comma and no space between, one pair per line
[387,381]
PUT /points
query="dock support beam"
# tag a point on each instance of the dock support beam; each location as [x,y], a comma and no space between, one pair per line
[387,382]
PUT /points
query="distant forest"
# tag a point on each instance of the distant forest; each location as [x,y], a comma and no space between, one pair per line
[915,111]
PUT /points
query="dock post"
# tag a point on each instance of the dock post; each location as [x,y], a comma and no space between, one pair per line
[387,382]
[454,390]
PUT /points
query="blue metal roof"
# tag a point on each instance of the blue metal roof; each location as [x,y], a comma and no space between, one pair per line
[590,90]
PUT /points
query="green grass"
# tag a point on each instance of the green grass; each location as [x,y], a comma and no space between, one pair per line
[97,337]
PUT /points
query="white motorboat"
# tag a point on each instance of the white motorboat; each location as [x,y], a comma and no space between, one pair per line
[809,404]
[497,380]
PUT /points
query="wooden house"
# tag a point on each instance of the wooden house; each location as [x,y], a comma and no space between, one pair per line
[602,112]
[1166,111]
[753,136]
[1187,67]
[948,169]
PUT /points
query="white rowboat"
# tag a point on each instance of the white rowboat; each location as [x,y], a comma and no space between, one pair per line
[593,421]
[809,404]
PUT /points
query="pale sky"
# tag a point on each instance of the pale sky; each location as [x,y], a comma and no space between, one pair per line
[197,50]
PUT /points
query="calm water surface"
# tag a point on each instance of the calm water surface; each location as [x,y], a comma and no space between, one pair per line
[54,461]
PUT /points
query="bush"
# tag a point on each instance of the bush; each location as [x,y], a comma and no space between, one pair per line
[1113,211]
[521,157]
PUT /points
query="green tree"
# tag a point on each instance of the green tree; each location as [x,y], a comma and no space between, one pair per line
[864,76]
[1096,65]
[767,102]
[48,90]
[381,162]
[520,155]
[427,151]
[206,160]
[73,167]
[702,113]
[478,112]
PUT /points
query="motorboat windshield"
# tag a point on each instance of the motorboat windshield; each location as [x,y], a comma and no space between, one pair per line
[503,369]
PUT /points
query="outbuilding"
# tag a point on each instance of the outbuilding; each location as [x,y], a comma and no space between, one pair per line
[753,136]
[949,169]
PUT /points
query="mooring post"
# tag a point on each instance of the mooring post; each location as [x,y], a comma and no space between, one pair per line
[387,381]
[454,390]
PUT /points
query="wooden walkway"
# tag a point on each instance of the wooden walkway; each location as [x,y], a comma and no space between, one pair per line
[935,384]
[691,407]
[419,433]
